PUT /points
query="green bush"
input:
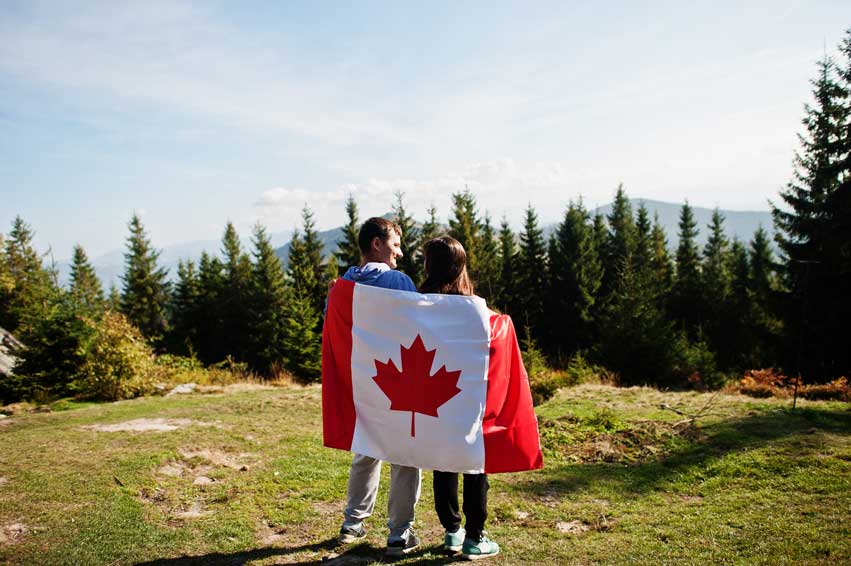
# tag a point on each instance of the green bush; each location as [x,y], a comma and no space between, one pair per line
[119,363]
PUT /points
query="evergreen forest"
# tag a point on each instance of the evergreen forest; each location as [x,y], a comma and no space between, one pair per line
[606,290]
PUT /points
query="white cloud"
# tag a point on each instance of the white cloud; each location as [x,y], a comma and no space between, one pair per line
[502,187]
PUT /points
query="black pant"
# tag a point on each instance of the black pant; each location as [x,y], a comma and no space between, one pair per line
[475,502]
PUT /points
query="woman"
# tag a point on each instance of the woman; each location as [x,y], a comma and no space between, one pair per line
[446,273]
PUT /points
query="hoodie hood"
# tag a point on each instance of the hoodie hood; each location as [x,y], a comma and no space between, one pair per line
[368,274]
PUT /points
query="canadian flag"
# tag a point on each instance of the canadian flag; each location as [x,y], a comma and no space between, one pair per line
[431,381]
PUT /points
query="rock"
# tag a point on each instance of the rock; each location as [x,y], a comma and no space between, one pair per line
[183,388]
[203,480]
[521,515]
[572,527]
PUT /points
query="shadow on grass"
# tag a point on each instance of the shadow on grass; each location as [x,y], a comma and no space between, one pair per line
[783,428]
[361,554]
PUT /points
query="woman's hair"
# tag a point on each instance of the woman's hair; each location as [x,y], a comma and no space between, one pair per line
[446,268]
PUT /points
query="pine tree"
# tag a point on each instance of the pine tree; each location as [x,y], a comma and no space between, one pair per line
[306,299]
[716,282]
[506,297]
[620,244]
[267,313]
[814,305]
[113,301]
[306,270]
[86,290]
[487,285]
[464,226]
[532,275]
[409,263]
[302,340]
[145,291]
[185,310]
[212,334]
[348,252]
[431,227]
[686,294]
[29,288]
[234,295]
[575,275]
[663,269]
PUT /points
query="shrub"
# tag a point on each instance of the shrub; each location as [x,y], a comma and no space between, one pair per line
[55,349]
[119,363]
[836,390]
[766,382]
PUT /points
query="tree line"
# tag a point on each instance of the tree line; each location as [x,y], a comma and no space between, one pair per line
[607,288]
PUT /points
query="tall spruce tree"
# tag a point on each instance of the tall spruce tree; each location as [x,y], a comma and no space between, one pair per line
[185,310]
[267,312]
[487,285]
[306,271]
[686,293]
[234,295]
[145,292]
[507,294]
[812,315]
[348,252]
[620,244]
[716,286]
[465,226]
[29,289]
[663,269]
[532,275]
[575,273]
[306,298]
[212,334]
[431,227]
[409,263]
[86,290]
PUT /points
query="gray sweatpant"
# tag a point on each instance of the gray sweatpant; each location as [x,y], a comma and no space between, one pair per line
[405,482]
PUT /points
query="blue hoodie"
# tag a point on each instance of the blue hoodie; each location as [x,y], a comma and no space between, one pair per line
[380,275]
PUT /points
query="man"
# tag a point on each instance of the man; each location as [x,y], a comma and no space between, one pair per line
[379,241]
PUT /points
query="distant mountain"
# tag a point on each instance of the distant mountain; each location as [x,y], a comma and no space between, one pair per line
[740,224]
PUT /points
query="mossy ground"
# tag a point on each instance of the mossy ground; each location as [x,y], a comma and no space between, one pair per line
[625,482]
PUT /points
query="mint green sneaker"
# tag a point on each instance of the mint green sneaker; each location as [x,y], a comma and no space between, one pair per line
[478,549]
[452,542]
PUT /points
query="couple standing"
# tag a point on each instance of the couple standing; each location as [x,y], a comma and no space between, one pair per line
[445,264]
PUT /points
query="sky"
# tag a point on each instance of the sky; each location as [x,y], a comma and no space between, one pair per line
[196,114]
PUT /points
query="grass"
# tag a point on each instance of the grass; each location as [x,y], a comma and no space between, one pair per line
[625,482]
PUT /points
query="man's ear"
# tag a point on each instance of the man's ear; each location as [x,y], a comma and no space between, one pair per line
[376,244]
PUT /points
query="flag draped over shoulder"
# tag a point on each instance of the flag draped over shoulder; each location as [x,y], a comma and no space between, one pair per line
[431,381]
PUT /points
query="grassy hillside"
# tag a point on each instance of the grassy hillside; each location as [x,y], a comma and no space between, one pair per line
[241,477]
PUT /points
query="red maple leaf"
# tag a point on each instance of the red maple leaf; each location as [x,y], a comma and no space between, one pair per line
[412,388]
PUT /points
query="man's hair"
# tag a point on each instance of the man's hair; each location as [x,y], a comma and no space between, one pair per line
[375,227]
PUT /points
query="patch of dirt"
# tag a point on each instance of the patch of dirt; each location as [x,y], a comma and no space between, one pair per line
[269,533]
[13,533]
[172,469]
[5,421]
[3,481]
[642,442]
[157,496]
[195,511]
[328,508]
[692,498]
[572,527]
[146,425]
[217,458]
[203,480]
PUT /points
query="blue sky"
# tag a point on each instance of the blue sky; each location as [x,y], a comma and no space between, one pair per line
[195,114]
